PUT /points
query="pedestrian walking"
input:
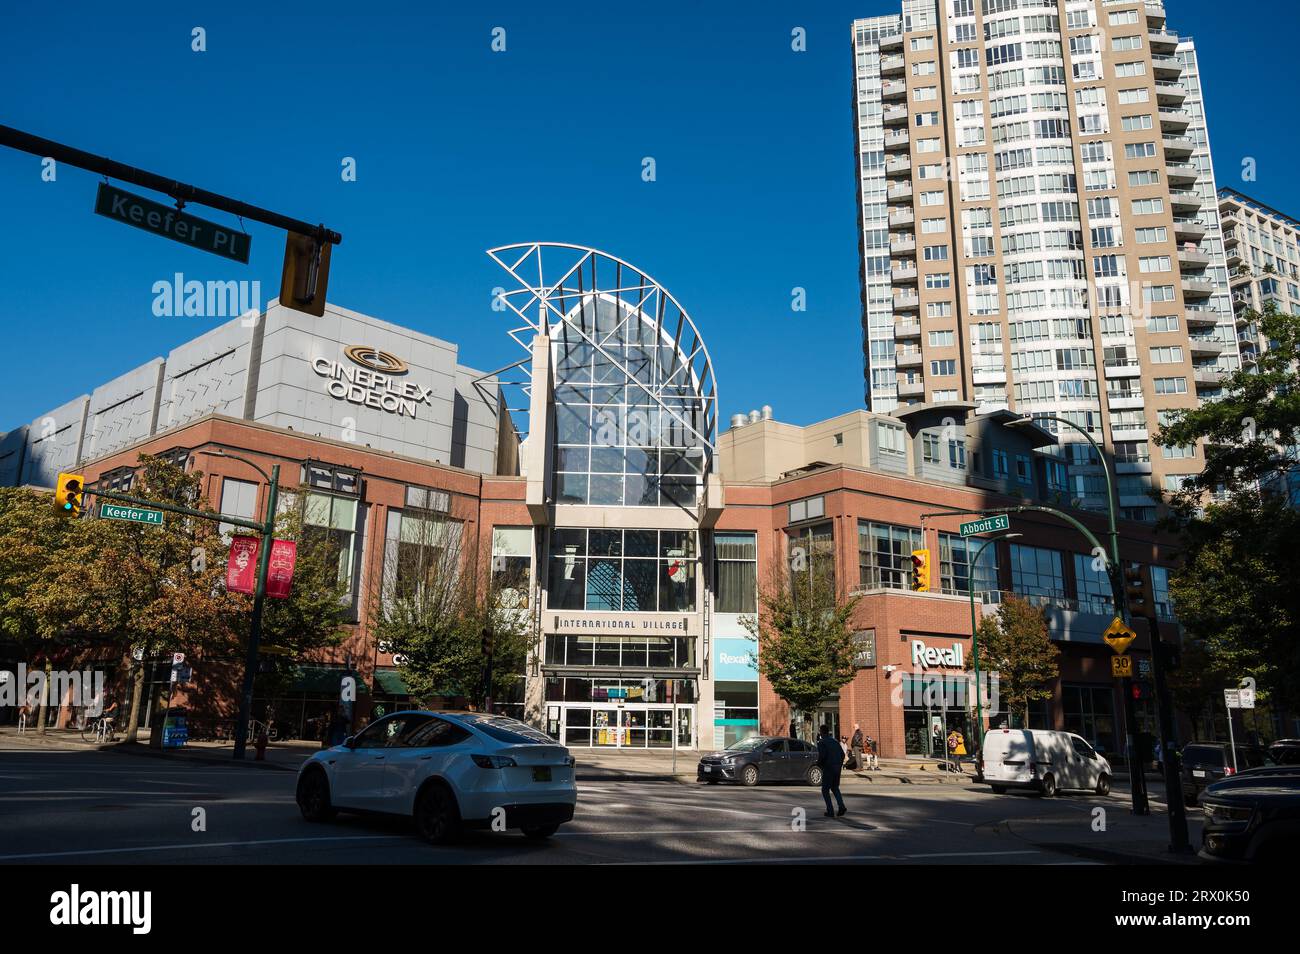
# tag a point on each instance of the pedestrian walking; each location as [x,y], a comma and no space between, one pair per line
[855,746]
[830,756]
[873,754]
[956,748]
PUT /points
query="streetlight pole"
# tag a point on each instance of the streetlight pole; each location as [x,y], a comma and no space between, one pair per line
[1137,781]
[259,599]
[974,632]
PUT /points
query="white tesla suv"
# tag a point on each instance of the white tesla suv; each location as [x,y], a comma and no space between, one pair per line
[446,770]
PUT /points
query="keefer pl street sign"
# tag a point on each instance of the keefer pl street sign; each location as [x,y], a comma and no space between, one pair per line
[993,524]
[159,219]
[131,514]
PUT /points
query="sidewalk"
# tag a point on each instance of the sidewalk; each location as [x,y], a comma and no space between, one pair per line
[657,764]
[1127,838]
[284,756]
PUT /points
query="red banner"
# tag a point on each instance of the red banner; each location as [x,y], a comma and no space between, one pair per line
[241,568]
[279,575]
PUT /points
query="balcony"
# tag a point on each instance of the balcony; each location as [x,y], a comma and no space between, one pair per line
[1166,66]
[900,193]
[1162,40]
[990,374]
[906,330]
[893,89]
[1174,120]
[1238,278]
[907,358]
[1197,288]
[1206,347]
[1179,146]
[1208,377]
[1241,300]
[1133,465]
[1181,173]
[1229,218]
[1119,433]
[896,139]
[1189,230]
[898,166]
[1201,318]
[902,243]
[891,42]
[906,301]
[1192,259]
[1170,94]
[910,389]
[903,274]
[1184,201]
[1122,368]
[894,115]
[1129,400]
[901,218]
[891,64]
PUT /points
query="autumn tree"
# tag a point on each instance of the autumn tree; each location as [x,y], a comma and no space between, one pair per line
[1015,646]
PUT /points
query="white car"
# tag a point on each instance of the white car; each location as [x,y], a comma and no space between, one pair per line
[446,770]
[1043,760]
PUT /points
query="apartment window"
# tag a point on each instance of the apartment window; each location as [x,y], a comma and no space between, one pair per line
[512,560]
[1161,323]
[735,562]
[920,43]
[1125,70]
[1160,592]
[941,339]
[1136,123]
[1126,43]
[1139,150]
[930,448]
[1154,293]
[932,198]
[957,454]
[1037,572]
[1123,18]
[885,555]
[1147,236]
[811,550]
[1024,469]
[938,280]
[931,226]
[1092,586]
[943,367]
[1148,206]
[924,69]
[1001,464]
[1167,355]
[890,440]
[1178,452]
[927,119]
[808,509]
[955,555]
[927,145]
[936,253]
[1155,263]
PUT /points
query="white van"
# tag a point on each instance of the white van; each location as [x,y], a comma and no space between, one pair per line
[1044,760]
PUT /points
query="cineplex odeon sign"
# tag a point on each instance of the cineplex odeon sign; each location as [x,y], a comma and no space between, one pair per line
[374,382]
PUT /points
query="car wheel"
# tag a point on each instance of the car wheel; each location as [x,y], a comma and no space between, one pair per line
[436,815]
[999,789]
[749,775]
[815,775]
[1103,784]
[541,832]
[1047,787]
[314,797]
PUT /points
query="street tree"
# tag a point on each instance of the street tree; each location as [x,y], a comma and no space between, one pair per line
[1015,647]
[1234,590]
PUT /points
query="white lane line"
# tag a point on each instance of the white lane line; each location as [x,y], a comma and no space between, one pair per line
[200,845]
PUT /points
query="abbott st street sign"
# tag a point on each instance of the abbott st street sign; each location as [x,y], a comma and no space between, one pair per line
[992,524]
[163,220]
[131,514]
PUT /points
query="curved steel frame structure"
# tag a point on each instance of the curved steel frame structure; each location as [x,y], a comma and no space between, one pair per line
[557,280]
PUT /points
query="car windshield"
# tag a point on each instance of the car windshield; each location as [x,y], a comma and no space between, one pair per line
[746,745]
[504,729]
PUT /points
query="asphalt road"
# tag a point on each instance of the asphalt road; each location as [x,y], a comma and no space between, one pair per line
[65,806]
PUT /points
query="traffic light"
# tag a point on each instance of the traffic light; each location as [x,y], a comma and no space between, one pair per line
[70,494]
[1135,591]
[306,273]
[921,571]
[1171,655]
[1141,690]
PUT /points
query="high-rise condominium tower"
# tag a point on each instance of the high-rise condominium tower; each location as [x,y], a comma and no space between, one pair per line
[1039,224]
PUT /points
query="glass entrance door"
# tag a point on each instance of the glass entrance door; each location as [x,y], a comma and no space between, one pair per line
[624,727]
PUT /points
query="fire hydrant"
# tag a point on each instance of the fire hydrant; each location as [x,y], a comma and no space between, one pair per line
[260,746]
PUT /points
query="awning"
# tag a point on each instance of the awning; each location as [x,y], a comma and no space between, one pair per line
[322,680]
[389,682]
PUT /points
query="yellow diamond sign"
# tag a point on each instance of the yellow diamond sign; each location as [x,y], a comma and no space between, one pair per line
[1118,636]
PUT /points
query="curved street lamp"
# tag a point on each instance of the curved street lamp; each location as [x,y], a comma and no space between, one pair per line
[974,629]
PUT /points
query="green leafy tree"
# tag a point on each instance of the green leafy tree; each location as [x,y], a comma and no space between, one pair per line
[804,634]
[1235,589]
[1015,645]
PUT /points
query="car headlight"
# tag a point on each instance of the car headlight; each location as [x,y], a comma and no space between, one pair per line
[1217,814]
[494,761]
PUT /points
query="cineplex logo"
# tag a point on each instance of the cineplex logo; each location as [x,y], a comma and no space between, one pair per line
[95,908]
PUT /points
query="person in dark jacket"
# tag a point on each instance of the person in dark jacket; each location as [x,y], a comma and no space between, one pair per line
[830,756]
[855,747]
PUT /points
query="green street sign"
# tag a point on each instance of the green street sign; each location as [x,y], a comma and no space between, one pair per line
[113,203]
[986,525]
[131,514]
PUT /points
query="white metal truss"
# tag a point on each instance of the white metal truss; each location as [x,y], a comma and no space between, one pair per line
[559,287]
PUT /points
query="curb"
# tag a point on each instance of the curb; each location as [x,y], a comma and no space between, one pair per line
[144,750]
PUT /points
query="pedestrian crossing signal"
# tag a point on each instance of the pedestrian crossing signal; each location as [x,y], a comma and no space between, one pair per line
[69,493]
[921,571]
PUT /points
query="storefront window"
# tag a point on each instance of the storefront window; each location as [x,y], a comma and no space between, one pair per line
[1090,712]
[735,557]
[885,555]
[735,712]
[934,706]
[623,570]
[954,565]
[626,652]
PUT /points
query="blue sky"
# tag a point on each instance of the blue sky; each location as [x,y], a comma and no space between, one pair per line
[459,149]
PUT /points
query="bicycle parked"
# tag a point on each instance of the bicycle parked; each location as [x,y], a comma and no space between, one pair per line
[99,731]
